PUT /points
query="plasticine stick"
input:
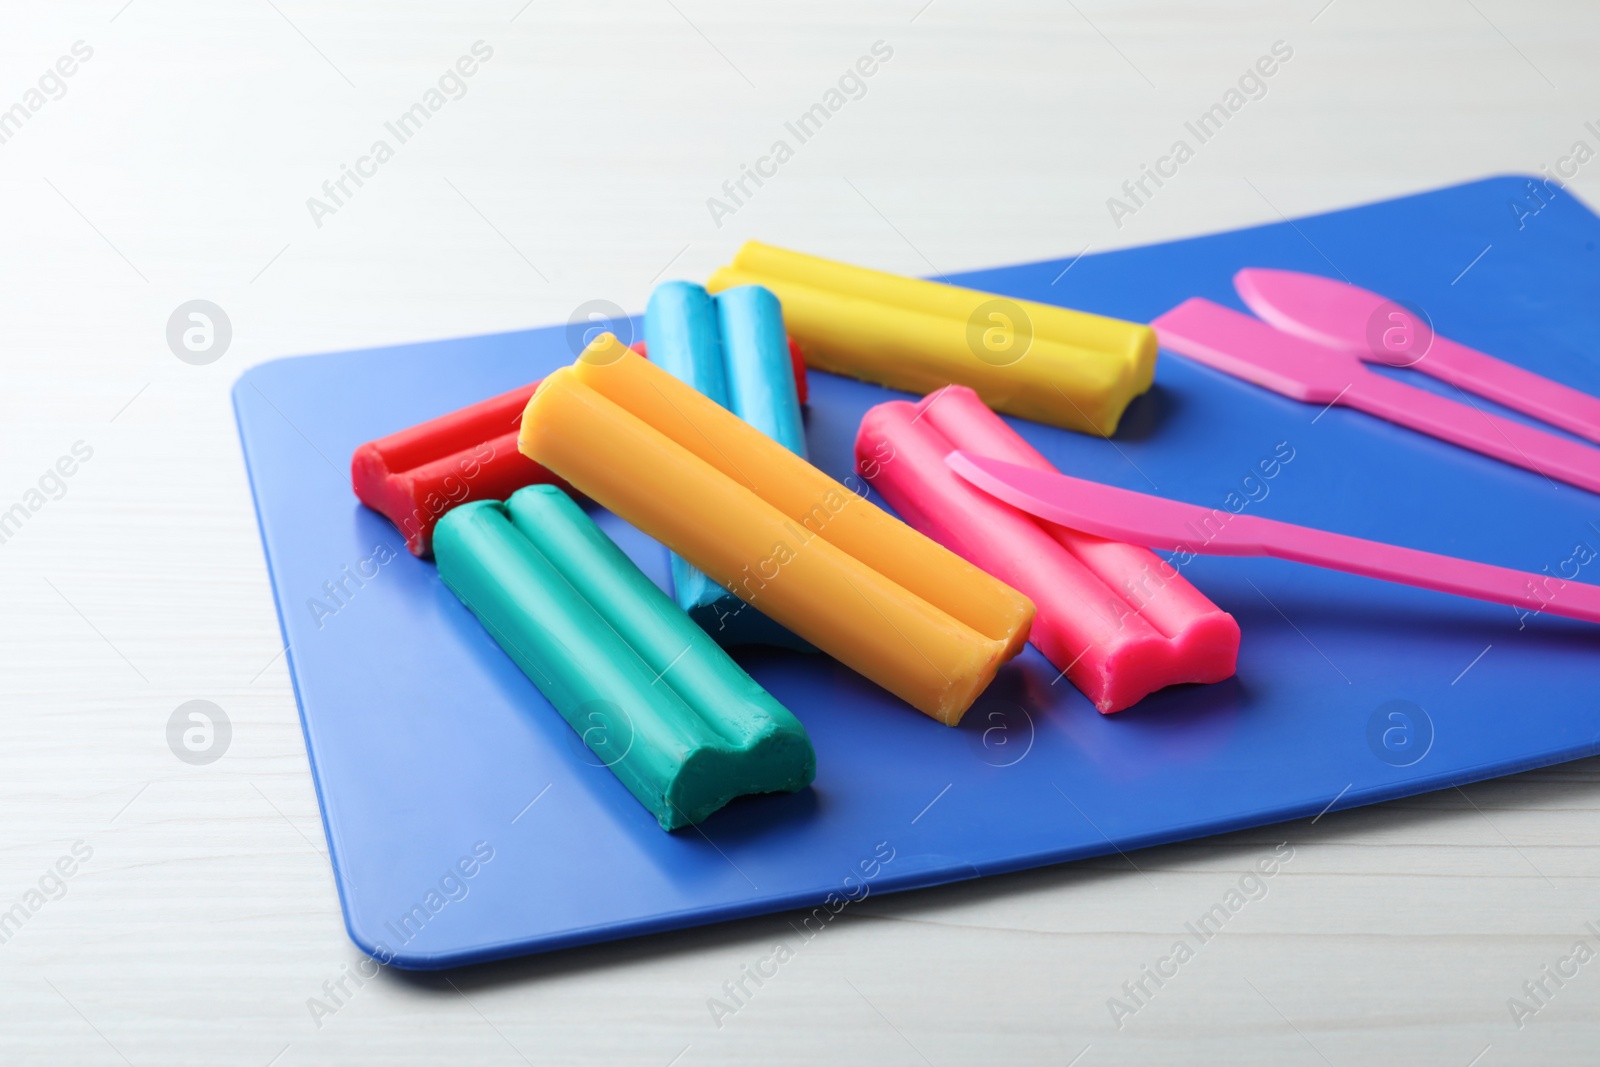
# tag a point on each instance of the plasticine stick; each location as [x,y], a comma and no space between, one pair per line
[755,353]
[416,475]
[1133,342]
[678,722]
[918,352]
[1118,620]
[1050,364]
[732,350]
[763,523]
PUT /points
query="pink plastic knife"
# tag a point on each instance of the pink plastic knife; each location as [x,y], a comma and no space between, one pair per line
[1248,348]
[1377,330]
[1156,522]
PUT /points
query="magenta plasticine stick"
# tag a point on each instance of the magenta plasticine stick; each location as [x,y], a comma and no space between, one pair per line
[1117,619]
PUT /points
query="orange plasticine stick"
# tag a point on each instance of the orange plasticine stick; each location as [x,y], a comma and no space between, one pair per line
[775,531]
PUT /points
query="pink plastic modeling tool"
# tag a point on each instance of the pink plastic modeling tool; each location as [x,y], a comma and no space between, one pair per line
[1141,519]
[1378,330]
[1248,348]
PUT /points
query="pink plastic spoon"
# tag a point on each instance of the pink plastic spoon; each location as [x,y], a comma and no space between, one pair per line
[1248,348]
[1378,330]
[1156,522]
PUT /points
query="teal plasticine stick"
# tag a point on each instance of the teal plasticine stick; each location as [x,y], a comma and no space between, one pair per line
[677,721]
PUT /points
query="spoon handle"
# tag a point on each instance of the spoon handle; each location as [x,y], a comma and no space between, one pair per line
[1516,388]
[1469,426]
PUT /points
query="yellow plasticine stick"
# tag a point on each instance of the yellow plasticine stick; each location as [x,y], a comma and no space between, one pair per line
[921,352]
[597,423]
[1134,342]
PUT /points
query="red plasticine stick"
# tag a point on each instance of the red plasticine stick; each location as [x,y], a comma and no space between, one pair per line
[416,475]
[1117,619]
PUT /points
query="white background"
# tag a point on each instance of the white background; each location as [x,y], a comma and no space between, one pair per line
[177,166]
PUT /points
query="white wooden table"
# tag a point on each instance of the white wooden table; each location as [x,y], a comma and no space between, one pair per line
[175,163]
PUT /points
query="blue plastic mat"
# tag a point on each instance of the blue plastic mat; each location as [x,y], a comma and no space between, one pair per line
[467,821]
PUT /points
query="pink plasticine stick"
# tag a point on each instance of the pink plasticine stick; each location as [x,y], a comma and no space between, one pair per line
[1108,614]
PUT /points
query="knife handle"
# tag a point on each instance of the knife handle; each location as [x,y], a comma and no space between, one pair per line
[1506,383]
[1159,522]
[1426,570]
[1470,427]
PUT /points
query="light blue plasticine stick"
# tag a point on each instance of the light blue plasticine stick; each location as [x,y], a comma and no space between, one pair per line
[733,349]
[756,364]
